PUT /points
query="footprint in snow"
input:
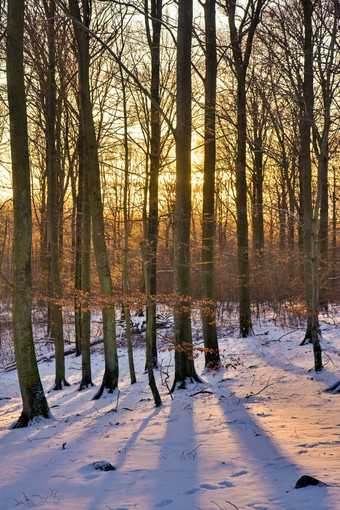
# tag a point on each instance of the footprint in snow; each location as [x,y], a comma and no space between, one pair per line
[209,487]
[191,491]
[165,502]
[226,484]
[239,473]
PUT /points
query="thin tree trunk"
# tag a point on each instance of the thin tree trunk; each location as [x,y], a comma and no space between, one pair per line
[310,220]
[52,203]
[184,363]
[323,229]
[258,226]
[127,313]
[152,230]
[241,60]
[78,247]
[33,398]
[149,353]
[85,267]
[241,208]
[212,357]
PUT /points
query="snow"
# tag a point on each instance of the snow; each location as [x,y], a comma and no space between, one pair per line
[241,440]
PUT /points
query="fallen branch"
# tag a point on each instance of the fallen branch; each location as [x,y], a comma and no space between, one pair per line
[202,392]
[51,355]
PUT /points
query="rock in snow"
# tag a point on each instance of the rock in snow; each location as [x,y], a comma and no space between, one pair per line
[307,480]
[102,465]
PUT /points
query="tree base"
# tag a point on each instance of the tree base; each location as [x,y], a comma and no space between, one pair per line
[184,383]
[24,420]
[59,385]
[212,361]
[85,383]
[101,391]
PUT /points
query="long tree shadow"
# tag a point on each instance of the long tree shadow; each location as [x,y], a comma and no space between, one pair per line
[135,467]
[64,450]
[269,474]
[287,362]
[175,478]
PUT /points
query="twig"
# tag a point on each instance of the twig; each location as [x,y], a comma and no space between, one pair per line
[251,394]
[114,409]
[232,504]
[279,339]
[165,379]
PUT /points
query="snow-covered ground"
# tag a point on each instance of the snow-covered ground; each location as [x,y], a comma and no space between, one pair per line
[241,443]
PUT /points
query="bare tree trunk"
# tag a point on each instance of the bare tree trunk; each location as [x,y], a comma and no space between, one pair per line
[152,234]
[323,232]
[258,226]
[110,378]
[53,203]
[127,313]
[212,357]
[184,363]
[85,274]
[149,354]
[78,247]
[241,58]
[310,221]
[33,398]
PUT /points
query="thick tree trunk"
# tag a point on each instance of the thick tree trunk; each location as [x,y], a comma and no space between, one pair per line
[110,378]
[33,398]
[212,357]
[184,363]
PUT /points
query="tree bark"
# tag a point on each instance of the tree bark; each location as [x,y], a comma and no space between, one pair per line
[310,220]
[53,200]
[241,61]
[110,378]
[149,353]
[212,357]
[85,274]
[152,234]
[33,398]
[127,313]
[184,363]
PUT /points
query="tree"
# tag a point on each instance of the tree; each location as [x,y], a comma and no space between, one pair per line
[81,23]
[184,363]
[242,35]
[154,37]
[127,313]
[33,398]
[310,216]
[212,358]
[53,200]
[84,267]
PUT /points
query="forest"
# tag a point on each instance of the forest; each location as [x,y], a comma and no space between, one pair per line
[169,205]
